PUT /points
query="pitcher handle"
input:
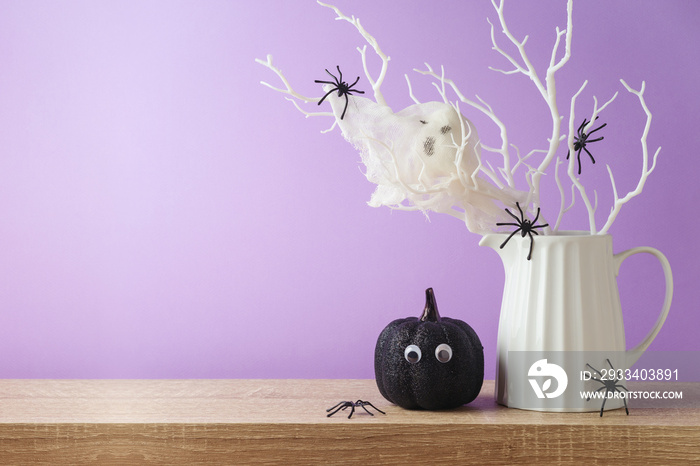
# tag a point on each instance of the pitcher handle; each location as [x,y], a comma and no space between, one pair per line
[637,351]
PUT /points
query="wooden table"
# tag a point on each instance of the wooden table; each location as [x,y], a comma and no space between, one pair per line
[284,421]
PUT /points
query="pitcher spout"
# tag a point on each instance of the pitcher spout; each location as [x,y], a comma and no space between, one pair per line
[495,241]
[492,241]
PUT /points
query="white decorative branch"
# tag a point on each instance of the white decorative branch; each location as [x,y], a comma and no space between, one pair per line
[573,159]
[394,146]
[521,160]
[646,170]
[313,114]
[375,83]
[562,203]
[596,111]
[572,162]
[546,89]
[410,90]
[288,90]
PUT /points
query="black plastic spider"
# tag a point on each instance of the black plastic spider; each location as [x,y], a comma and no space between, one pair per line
[342,87]
[582,139]
[352,405]
[610,385]
[524,225]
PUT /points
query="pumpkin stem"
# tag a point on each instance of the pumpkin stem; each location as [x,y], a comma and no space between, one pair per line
[430,313]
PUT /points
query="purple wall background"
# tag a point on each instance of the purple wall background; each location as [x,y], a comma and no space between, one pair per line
[163,215]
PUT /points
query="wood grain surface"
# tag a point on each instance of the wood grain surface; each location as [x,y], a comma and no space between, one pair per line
[284,422]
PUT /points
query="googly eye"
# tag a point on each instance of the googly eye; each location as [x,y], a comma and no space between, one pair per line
[412,354]
[443,352]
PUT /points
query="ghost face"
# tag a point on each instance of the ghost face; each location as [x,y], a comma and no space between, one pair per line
[437,142]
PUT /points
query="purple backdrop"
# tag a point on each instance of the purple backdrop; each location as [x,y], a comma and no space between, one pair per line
[163,215]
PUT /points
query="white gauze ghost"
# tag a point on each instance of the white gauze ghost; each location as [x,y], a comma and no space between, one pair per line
[424,157]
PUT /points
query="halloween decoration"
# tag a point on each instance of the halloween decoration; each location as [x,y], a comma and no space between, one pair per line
[431,362]
[581,139]
[425,157]
[343,88]
[525,226]
[610,385]
[352,405]
[428,156]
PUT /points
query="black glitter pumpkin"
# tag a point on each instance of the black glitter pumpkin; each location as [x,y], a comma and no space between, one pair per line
[429,362]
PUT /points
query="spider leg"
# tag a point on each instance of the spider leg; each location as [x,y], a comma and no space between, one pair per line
[516,218]
[509,237]
[352,410]
[370,404]
[346,106]
[340,74]
[536,216]
[594,369]
[323,82]
[350,89]
[340,406]
[532,242]
[335,406]
[508,224]
[363,407]
[595,140]
[580,128]
[577,142]
[327,94]
[579,131]
[522,216]
[578,158]
[599,127]
[605,398]
[589,154]
[336,81]
[624,400]
[598,380]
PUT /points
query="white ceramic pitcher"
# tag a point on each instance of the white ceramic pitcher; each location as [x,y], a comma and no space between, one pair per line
[565,299]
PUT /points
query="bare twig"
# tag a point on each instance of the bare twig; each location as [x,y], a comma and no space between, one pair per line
[406,181]
[410,90]
[590,207]
[562,203]
[646,170]
[547,88]
[288,90]
[570,171]
[375,83]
